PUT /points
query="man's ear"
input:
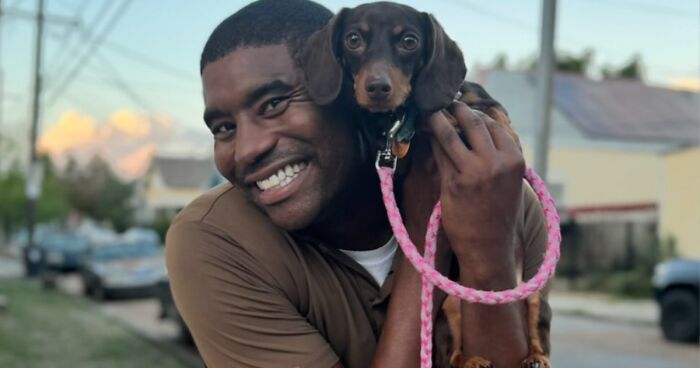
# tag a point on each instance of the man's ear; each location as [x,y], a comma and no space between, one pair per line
[318,59]
[444,71]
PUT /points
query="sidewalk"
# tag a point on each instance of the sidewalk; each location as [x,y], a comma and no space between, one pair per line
[604,307]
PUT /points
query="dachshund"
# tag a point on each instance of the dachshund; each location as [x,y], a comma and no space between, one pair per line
[395,62]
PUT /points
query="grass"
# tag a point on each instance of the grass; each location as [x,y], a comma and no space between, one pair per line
[50,329]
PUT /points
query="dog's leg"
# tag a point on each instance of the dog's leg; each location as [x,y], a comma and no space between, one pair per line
[536,358]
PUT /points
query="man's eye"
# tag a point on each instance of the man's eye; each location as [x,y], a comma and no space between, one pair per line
[273,106]
[223,131]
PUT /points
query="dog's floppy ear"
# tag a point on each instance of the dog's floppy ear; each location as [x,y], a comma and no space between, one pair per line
[318,59]
[444,70]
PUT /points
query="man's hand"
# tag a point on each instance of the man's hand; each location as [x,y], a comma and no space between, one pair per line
[480,188]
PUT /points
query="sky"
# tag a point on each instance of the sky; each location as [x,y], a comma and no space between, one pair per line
[143,56]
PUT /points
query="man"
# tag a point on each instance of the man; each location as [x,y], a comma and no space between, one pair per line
[292,263]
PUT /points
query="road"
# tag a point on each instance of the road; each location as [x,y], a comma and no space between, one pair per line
[578,341]
[582,342]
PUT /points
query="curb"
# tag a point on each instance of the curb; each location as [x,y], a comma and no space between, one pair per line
[576,312]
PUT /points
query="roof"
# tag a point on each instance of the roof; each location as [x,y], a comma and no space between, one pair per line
[614,113]
[629,110]
[187,173]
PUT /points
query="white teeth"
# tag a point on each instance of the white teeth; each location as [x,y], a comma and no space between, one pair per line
[282,177]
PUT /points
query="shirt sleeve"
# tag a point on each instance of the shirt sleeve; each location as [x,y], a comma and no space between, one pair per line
[237,317]
[535,239]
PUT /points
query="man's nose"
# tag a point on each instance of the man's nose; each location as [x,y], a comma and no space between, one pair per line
[252,143]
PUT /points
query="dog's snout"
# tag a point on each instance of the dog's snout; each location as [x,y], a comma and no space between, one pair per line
[378,88]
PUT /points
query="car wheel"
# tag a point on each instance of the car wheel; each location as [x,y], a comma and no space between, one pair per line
[679,315]
[87,288]
[99,293]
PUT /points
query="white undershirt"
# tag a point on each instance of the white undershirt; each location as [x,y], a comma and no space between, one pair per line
[376,261]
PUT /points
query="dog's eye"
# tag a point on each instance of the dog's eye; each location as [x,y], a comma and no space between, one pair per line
[353,40]
[409,42]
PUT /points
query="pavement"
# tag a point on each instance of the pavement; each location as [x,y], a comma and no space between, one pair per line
[585,304]
[604,307]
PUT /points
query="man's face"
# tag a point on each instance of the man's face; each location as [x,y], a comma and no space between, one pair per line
[290,156]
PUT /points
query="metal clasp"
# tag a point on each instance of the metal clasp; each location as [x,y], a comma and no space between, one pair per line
[385,157]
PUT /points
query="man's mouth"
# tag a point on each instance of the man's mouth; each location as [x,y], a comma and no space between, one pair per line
[282,177]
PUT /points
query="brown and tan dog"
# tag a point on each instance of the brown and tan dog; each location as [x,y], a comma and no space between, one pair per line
[400,62]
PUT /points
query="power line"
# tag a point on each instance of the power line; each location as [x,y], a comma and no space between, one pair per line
[92,48]
[66,37]
[144,59]
[66,61]
[118,82]
[650,8]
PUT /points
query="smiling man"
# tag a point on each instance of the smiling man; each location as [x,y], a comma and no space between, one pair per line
[292,263]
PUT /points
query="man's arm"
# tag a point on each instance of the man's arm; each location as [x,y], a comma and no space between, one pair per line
[237,318]
[481,188]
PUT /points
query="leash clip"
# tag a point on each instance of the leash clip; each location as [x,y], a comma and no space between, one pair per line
[385,157]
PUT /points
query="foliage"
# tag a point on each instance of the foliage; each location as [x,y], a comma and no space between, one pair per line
[51,206]
[160,225]
[630,70]
[96,192]
[12,199]
[575,64]
[634,282]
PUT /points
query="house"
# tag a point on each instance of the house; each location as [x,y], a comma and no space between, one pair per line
[171,183]
[623,162]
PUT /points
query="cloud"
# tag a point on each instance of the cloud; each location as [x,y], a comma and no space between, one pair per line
[72,130]
[126,140]
[685,84]
[130,124]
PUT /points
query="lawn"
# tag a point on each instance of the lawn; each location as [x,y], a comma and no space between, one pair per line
[49,329]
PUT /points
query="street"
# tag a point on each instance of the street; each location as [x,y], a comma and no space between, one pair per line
[578,340]
[582,342]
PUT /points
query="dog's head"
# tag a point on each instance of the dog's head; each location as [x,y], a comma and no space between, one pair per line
[389,51]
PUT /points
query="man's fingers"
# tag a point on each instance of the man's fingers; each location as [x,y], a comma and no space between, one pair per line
[448,139]
[473,125]
[442,159]
[502,139]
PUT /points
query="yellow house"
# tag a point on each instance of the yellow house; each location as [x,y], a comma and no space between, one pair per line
[680,204]
[624,162]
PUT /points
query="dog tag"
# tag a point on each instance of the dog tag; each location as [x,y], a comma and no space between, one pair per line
[400,149]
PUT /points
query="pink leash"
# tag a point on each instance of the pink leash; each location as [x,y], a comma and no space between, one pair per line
[426,264]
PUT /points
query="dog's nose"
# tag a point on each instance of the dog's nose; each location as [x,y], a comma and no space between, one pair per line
[378,88]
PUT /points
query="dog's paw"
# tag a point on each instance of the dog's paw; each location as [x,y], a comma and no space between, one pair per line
[536,361]
[477,362]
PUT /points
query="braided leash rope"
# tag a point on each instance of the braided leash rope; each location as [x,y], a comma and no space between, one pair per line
[431,277]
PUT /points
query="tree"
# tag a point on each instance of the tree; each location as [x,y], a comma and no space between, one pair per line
[631,70]
[12,199]
[51,206]
[96,192]
[575,64]
[568,63]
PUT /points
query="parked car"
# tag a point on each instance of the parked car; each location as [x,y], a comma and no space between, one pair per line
[62,251]
[169,311]
[676,286]
[122,269]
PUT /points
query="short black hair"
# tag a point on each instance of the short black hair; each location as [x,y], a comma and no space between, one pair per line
[263,23]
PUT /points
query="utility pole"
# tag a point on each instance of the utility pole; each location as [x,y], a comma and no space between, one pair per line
[33,180]
[2,85]
[544,87]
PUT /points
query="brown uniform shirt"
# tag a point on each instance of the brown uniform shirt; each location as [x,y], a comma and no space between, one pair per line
[253,296]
